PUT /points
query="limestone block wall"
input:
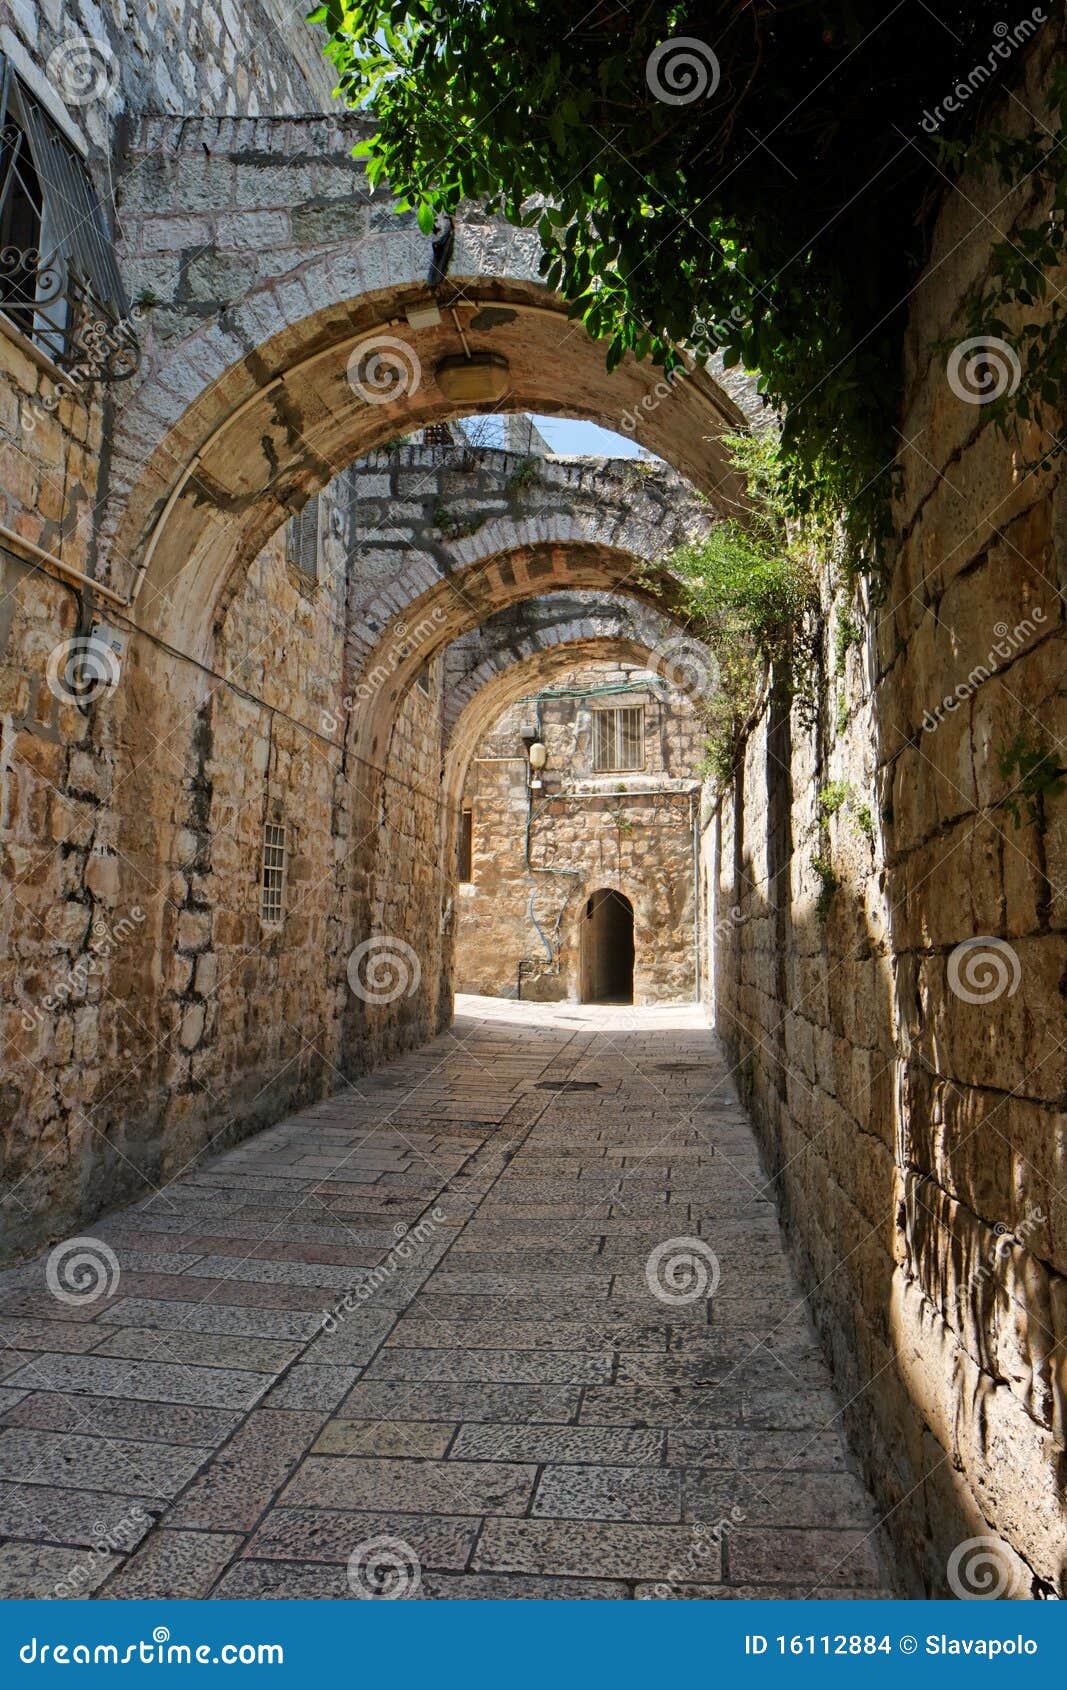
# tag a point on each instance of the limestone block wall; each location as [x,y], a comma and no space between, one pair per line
[891,963]
[109,58]
[633,832]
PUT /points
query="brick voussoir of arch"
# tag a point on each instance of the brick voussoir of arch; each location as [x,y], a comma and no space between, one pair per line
[607,623]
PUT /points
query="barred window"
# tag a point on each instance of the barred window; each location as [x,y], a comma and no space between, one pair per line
[272,886]
[619,739]
[59,282]
[302,539]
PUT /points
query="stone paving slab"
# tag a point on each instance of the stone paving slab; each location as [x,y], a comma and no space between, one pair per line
[46,1572]
[174,1565]
[440,1540]
[515,1399]
[112,1463]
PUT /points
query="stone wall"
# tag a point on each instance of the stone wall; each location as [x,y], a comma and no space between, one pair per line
[587,831]
[907,1081]
[109,59]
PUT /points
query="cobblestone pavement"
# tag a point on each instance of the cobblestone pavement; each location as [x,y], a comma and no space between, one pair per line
[523,1387]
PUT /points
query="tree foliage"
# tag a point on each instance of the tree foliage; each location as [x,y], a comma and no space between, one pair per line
[780,216]
[750,591]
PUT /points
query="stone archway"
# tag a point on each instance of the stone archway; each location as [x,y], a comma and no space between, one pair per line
[245,405]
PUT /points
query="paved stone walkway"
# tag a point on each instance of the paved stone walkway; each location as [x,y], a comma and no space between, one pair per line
[508,1398]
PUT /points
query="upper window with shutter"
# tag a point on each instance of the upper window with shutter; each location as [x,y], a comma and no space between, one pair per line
[59,282]
[302,539]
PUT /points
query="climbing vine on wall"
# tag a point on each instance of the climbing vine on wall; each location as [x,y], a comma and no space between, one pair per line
[759,179]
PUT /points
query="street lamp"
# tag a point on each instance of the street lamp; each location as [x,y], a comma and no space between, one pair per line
[538,758]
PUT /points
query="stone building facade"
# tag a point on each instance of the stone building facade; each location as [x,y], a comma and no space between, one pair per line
[616,811]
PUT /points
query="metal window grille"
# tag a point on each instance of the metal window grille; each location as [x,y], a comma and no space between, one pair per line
[59,282]
[302,539]
[272,886]
[619,739]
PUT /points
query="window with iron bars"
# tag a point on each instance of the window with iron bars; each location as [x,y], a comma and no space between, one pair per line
[272,884]
[302,539]
[59,282]
[619,739]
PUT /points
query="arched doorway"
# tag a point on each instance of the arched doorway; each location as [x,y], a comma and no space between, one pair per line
[608,948]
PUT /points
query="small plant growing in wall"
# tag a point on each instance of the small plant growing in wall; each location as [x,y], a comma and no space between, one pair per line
[833,797]
[528,474]
[847,633]
[864,820]
[828,882]
[454,527]
[1035,774]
